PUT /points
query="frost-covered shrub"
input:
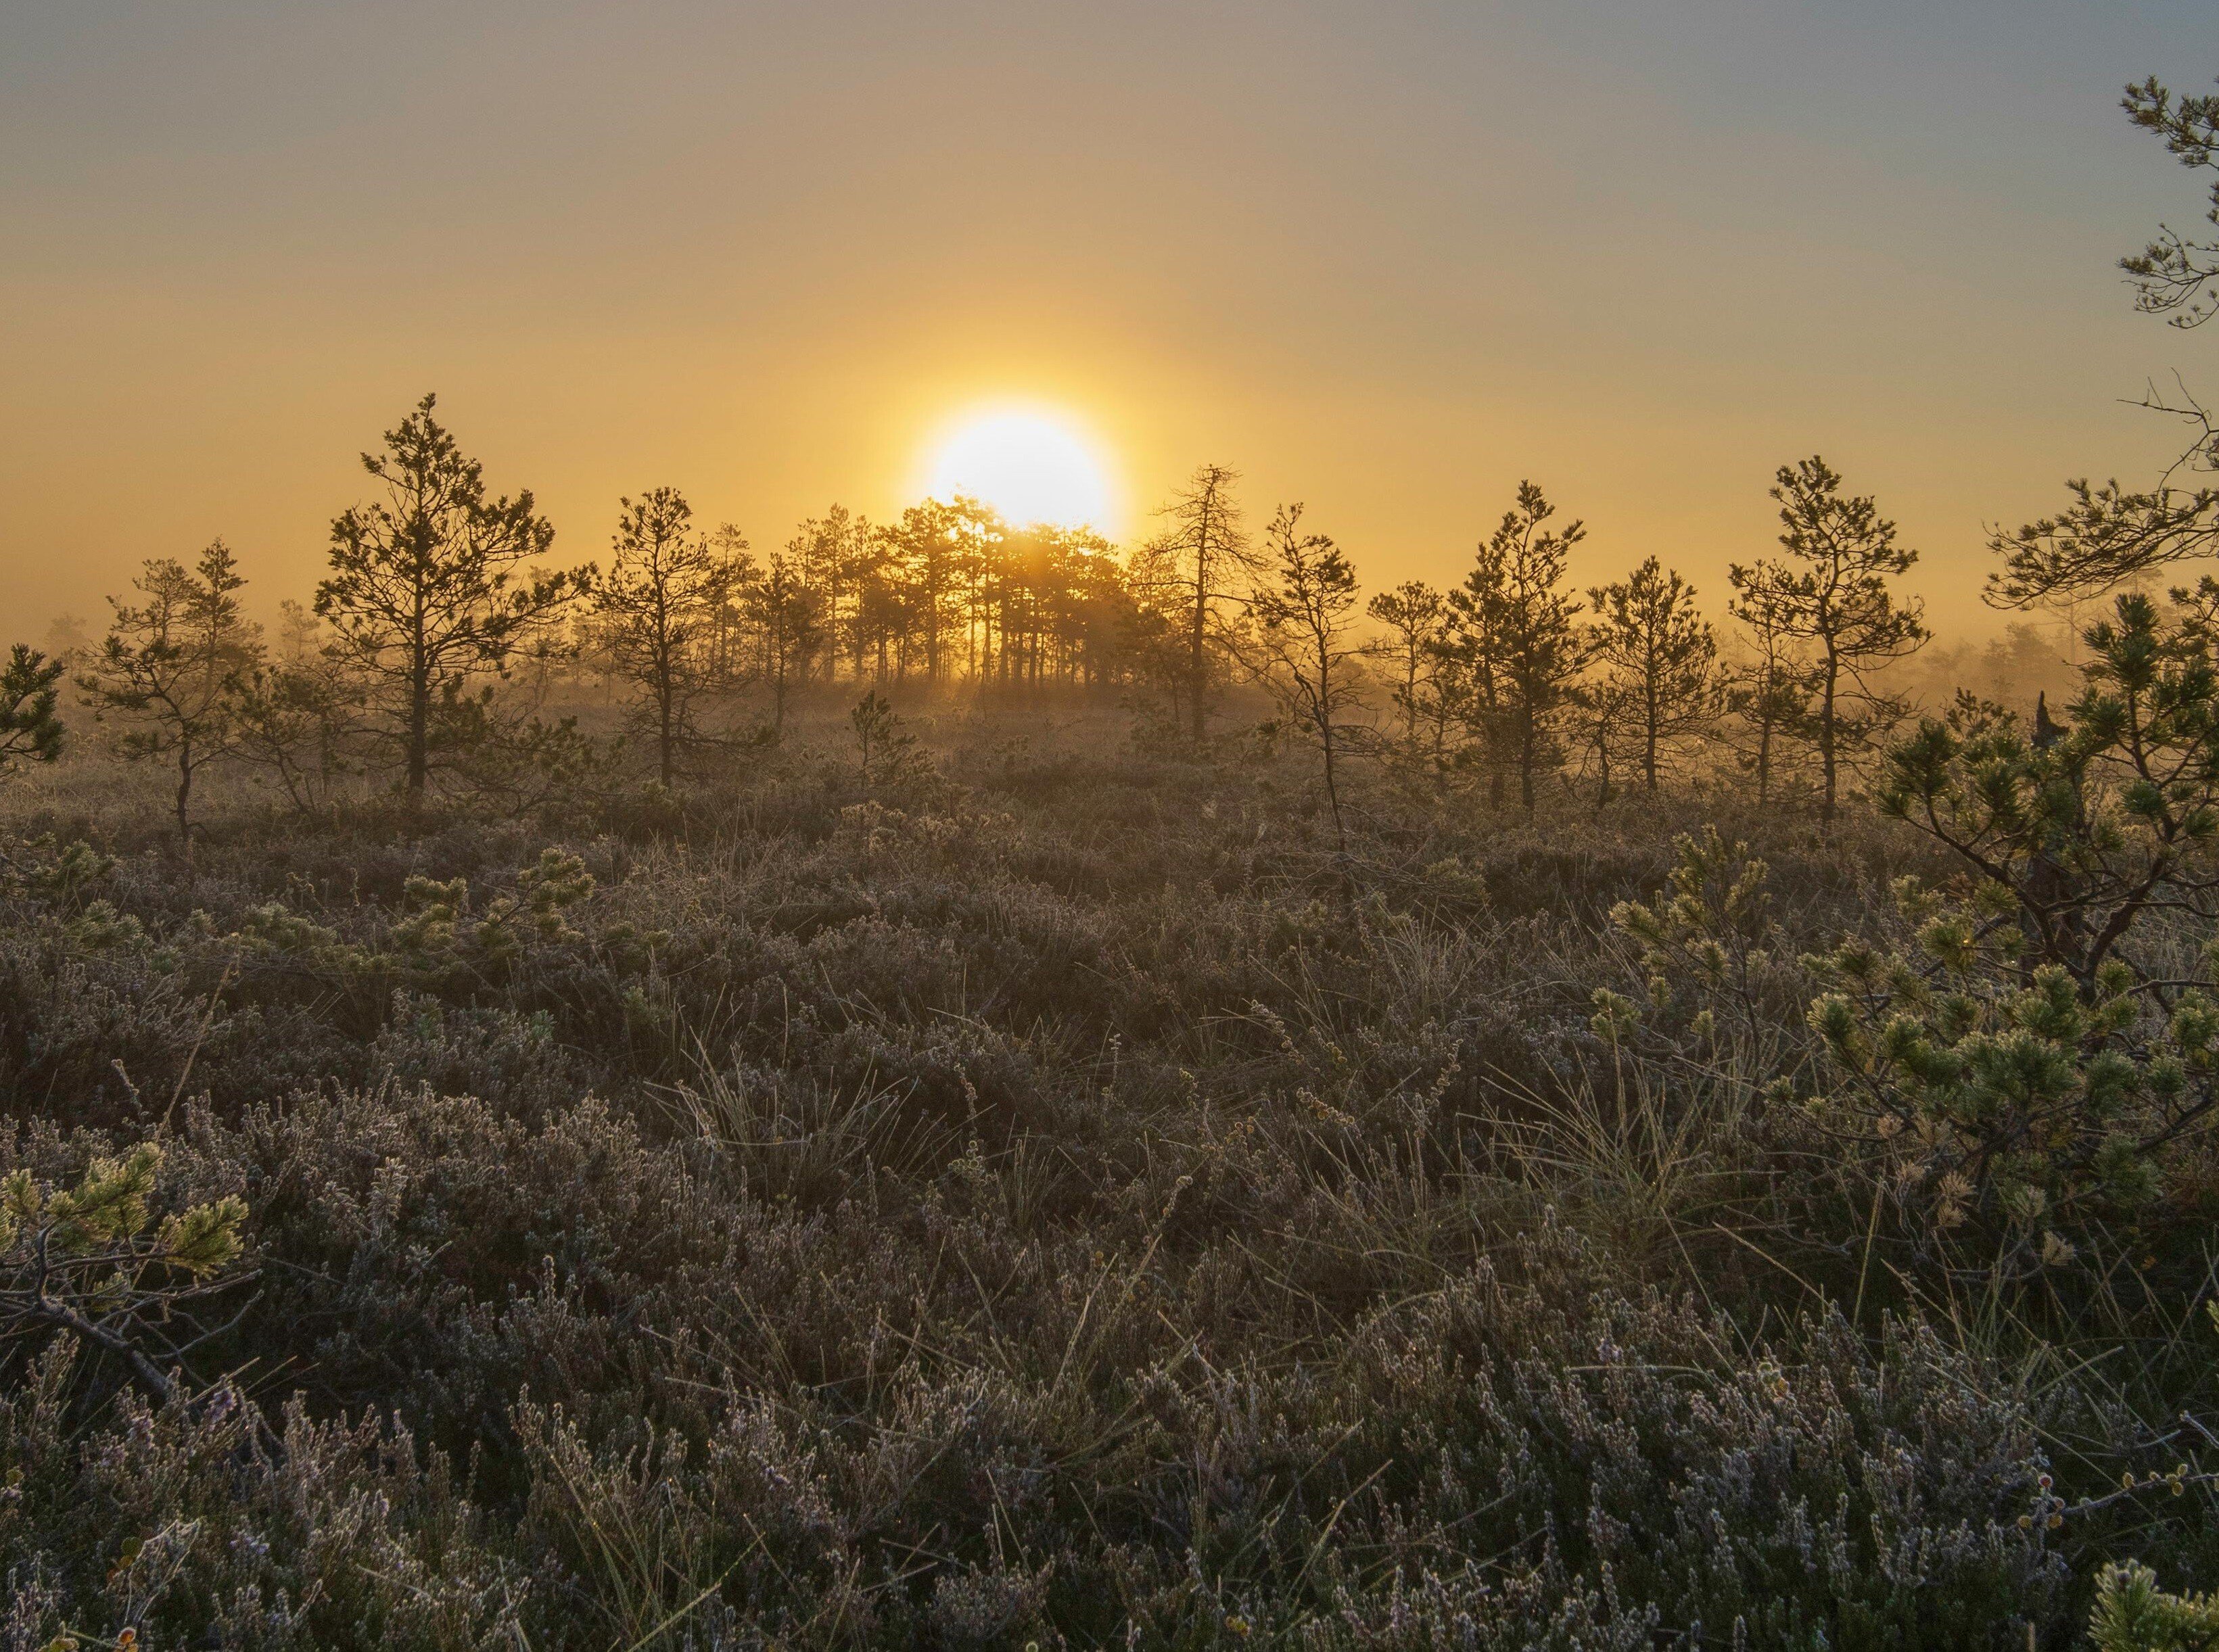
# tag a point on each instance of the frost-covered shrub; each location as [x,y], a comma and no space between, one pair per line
[1060,1214]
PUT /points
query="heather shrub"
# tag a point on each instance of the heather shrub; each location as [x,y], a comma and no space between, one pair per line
[1050,1205]
[183,1523]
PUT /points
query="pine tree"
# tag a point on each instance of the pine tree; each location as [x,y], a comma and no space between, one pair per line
[30,725]
[835,554]
[1206,555]
[1770,691]
[1516,631]
[926,547]
[1309,656]
[171,670]
[658,602]
[786,618]
[1658,657]
[1833,594]
[1417,621]
[428,586]
[887,753]
[2174,276]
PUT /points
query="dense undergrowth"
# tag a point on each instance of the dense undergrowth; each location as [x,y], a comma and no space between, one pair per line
[1053,1202]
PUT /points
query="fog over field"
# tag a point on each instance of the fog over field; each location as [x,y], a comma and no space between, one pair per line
[1470,899]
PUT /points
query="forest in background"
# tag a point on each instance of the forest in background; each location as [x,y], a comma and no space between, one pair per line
[946,1086]
[442,645]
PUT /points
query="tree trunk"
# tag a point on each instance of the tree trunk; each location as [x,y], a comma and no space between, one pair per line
[184,799]
[1826,736]
[1198,667]
[1332,788]
[419,732]
[1332,797]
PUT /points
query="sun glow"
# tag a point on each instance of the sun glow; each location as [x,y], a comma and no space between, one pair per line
[1031,464]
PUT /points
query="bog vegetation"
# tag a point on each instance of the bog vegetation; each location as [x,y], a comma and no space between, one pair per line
[949,1084]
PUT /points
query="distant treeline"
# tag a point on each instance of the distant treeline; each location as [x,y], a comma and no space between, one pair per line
[434,651]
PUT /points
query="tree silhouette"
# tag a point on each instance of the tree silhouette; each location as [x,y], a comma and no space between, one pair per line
[926,542]
[1833,593]
[1658,657]
[2108,535]
[1209,559]
[784,613]
[886,752]
[428,586]
[1516,631]
[170,670]
[658,603]
[1770,692]
[1302,611]
[1417,621]
[2174,276]
[30,726]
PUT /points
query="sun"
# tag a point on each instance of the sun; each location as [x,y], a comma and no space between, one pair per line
[1031,464]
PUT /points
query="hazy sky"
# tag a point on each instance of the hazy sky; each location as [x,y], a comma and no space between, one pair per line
[1384,258]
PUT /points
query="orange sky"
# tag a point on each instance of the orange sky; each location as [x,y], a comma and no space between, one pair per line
[1386,258]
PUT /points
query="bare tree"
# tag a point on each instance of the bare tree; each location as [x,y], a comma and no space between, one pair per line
[428,586]
[1208,554]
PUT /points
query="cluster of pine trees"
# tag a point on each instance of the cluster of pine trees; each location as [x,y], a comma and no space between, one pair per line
[1502,672]
[432,647]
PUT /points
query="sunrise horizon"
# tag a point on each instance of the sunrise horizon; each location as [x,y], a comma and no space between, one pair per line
[790,336]
[1191,825]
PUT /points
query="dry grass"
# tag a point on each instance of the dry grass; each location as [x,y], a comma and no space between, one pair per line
[1040,1210]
